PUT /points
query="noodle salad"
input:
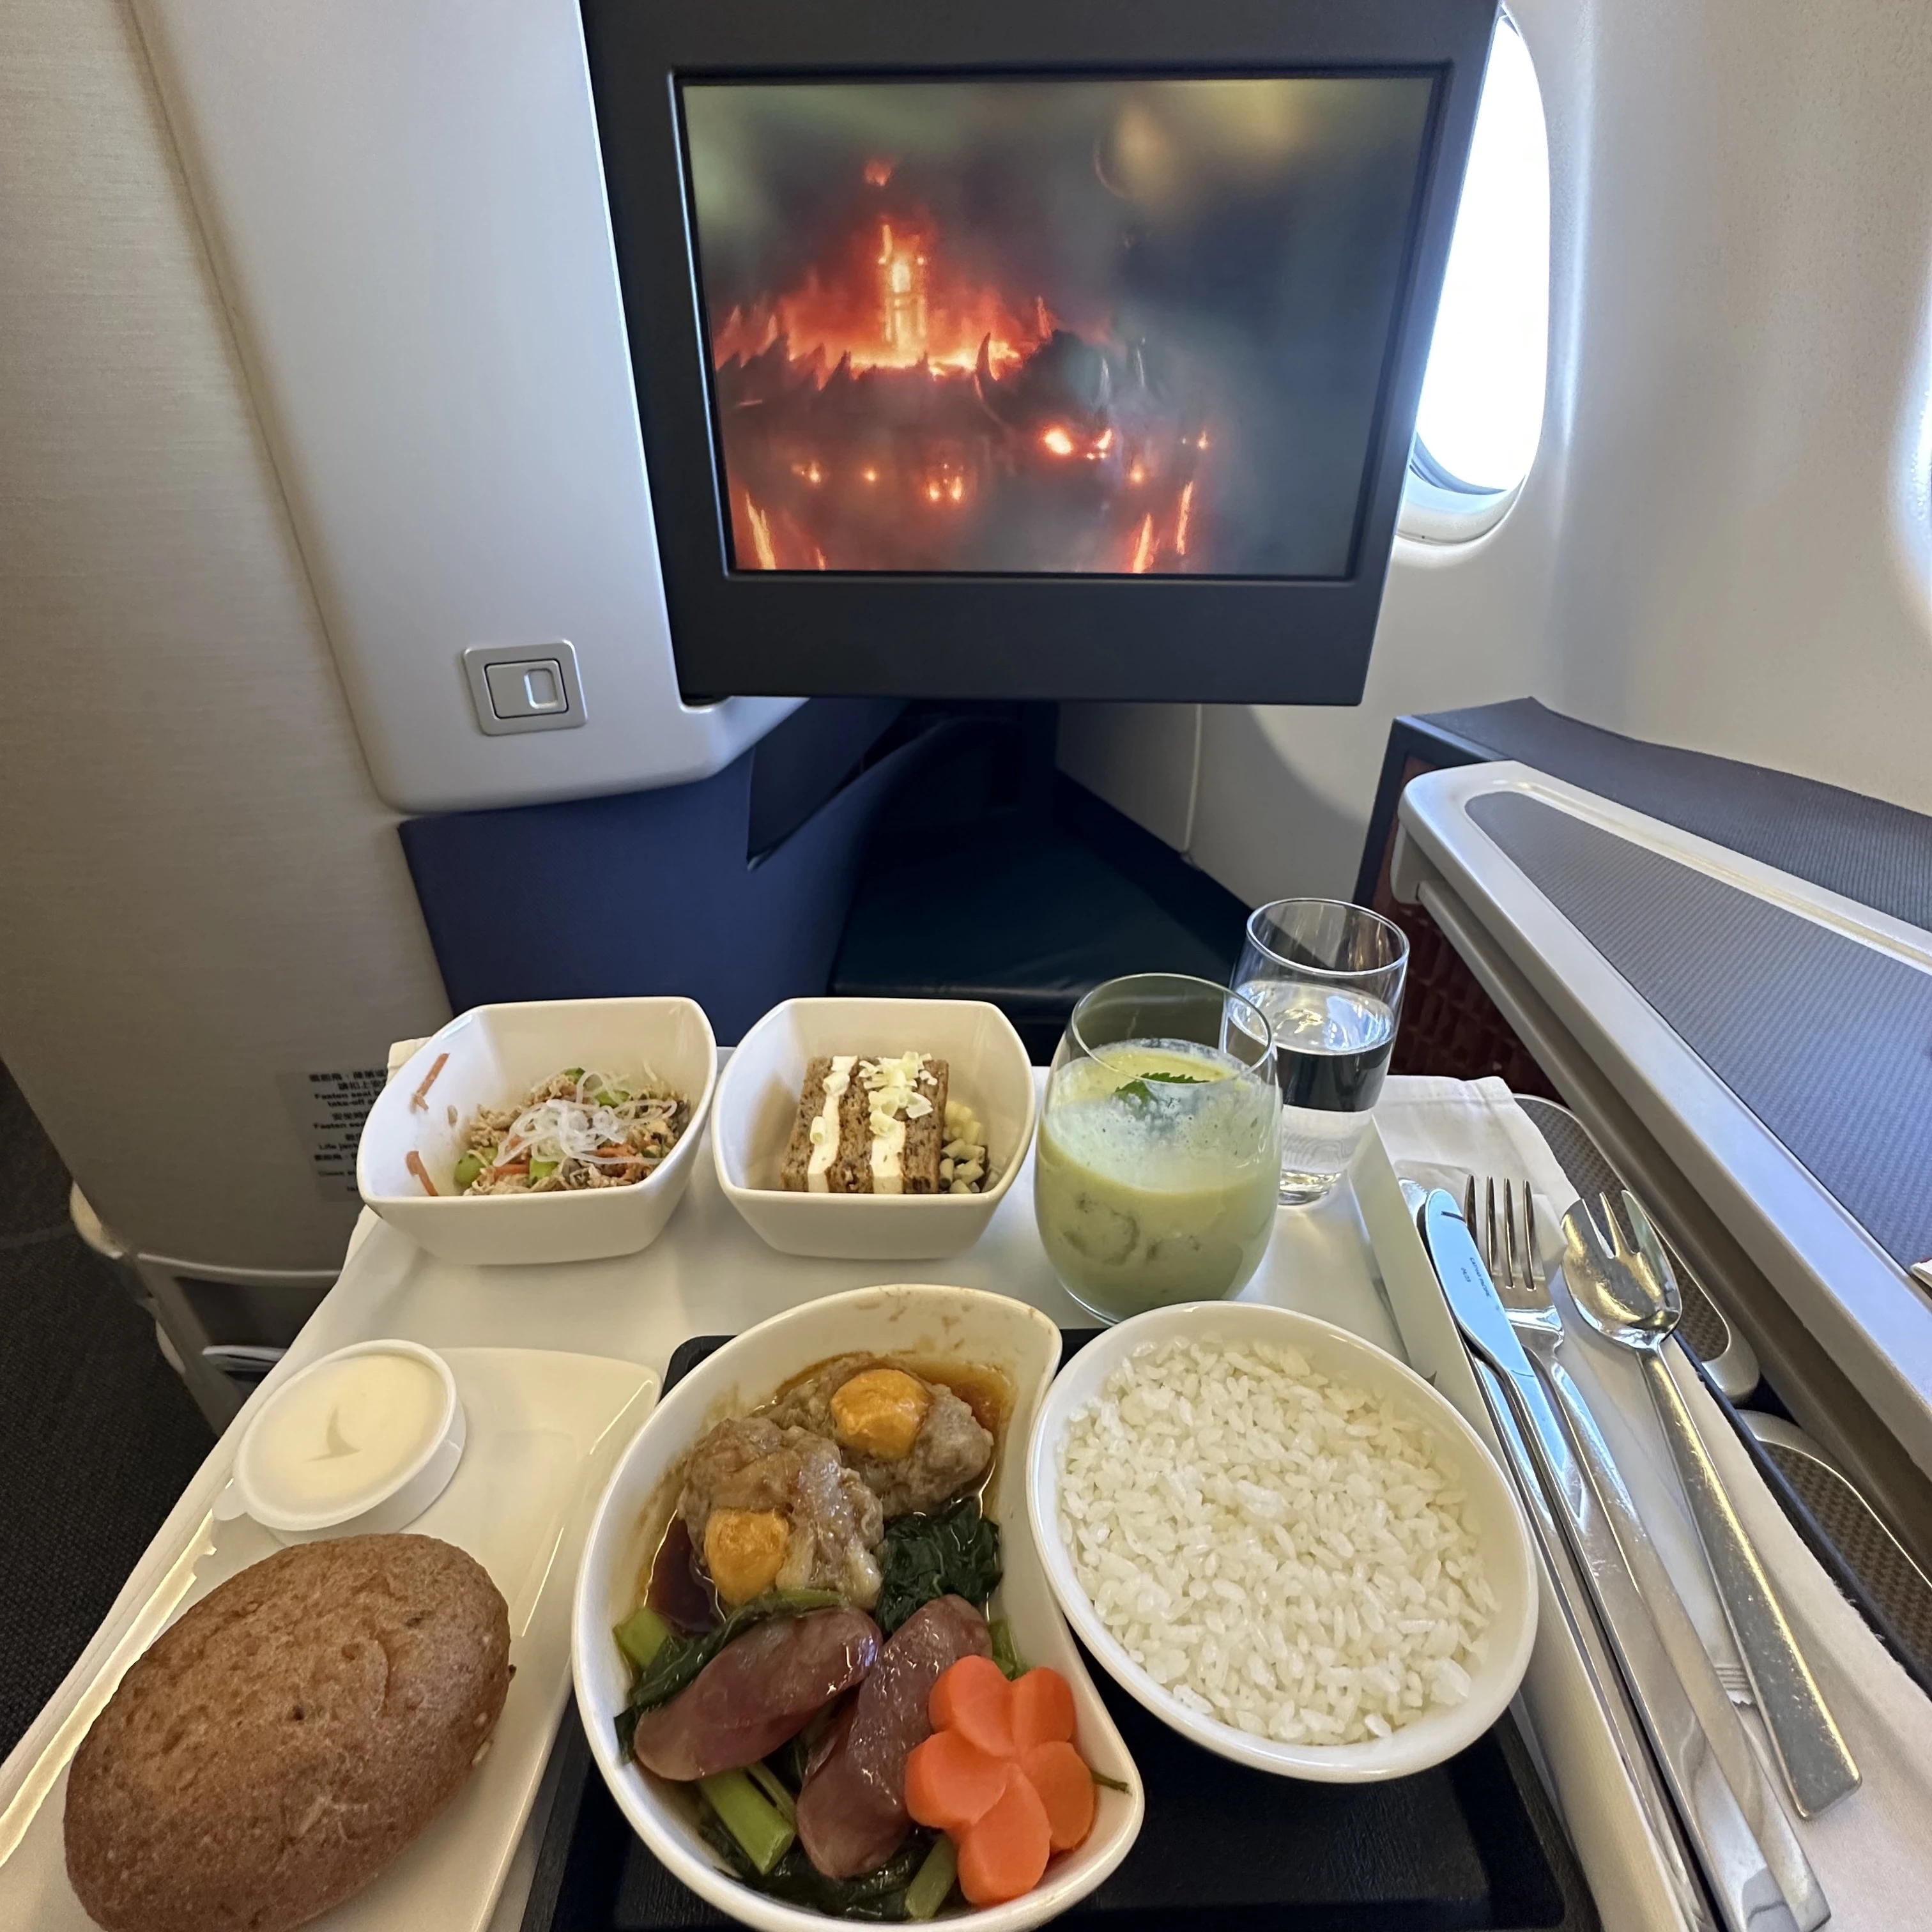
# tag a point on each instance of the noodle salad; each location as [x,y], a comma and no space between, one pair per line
[579,1129]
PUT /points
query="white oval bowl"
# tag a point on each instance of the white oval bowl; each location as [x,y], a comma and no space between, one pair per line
[757,1102]
[1500,1531]
[936,1324]
[495,1054]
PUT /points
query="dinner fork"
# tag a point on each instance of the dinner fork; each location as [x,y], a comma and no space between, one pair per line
[1508,1243]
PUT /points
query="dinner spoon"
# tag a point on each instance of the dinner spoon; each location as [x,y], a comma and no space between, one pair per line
[1630,1296]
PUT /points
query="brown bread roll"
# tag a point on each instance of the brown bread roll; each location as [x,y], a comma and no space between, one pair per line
[278,1746]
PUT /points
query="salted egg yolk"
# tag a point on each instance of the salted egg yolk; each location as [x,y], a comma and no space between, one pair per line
[879,1413]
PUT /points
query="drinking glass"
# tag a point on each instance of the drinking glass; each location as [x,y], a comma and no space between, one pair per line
[1159,1149]
[1328,976]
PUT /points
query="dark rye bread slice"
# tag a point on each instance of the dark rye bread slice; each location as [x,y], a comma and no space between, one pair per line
[925,1137]
[854,1136]
[287,1738]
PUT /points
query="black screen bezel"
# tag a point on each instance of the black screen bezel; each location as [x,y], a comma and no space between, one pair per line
[1155,638]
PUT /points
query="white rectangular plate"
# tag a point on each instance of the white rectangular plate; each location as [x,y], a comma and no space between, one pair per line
[544,1428]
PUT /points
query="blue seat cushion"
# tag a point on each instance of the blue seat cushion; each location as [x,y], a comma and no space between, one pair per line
[1029,918]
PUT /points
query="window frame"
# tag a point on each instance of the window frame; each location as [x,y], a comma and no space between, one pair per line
[1437,506]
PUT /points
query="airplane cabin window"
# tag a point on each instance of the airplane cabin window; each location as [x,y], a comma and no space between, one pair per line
[1482,398]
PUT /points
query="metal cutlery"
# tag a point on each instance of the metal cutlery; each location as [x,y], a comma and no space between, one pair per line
[1522,1283]
[1629,1295]
[1600,1668]
[1752,1890]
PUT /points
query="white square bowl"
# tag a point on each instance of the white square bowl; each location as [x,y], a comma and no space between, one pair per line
[495,1055]
[758,1101]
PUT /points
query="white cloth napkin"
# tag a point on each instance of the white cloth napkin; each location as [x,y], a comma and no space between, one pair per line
[1872,1851]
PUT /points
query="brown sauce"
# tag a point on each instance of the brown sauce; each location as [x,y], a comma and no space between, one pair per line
[678,1590]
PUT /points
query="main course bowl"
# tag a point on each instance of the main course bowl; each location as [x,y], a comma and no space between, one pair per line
[1501,1535]
[926,1325]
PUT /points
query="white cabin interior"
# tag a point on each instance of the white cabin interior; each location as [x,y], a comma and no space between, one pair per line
[314,375]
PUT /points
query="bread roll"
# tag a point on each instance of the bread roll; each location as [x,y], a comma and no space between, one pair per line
[278,1746]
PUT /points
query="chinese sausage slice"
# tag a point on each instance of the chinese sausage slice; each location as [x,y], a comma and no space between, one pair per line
[852,1813]
[757,1693]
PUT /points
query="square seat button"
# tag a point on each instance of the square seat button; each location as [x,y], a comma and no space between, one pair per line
[530,688]
[535,686]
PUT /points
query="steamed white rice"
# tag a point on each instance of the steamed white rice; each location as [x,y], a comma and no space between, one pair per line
[1280,1549]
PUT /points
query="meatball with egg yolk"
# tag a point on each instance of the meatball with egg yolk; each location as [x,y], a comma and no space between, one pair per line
[879,1413]
[744,1550]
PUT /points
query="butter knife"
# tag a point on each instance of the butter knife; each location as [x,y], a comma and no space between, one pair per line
[1746,1892]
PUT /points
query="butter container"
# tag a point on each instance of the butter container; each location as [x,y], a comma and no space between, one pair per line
[360,1442]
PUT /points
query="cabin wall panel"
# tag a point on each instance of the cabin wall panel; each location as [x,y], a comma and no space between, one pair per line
[198,889]
[1761,254]
[1140,757]
[405,205]
[1285,794]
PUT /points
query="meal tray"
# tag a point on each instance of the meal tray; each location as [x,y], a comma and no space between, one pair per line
[1473,1845]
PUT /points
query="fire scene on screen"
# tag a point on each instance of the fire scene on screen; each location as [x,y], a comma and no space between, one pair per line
[1050,326]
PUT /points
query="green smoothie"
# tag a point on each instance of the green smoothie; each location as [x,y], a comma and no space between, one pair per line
[1156,1175]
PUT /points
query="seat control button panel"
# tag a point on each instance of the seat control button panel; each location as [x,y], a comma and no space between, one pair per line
[524,687]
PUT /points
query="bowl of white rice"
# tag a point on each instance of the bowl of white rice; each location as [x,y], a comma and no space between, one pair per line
[1282,1541]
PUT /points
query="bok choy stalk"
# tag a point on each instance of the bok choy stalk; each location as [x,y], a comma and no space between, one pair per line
[764,1833]
[933,1885]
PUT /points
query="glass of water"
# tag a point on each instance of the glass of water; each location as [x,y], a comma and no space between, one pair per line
[1329,977]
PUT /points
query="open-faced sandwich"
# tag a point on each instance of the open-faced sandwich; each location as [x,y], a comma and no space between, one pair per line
[884,1126]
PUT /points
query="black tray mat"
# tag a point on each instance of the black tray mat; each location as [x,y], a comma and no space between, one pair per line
[1473,1846]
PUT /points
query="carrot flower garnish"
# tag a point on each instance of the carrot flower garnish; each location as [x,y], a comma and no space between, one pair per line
[1001,1776]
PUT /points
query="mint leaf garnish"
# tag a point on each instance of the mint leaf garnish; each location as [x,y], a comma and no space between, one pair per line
[1139,1090]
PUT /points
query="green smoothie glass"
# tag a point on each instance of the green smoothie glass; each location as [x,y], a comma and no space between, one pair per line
[1159,1154]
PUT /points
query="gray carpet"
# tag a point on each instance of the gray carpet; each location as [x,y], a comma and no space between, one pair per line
[98,1435]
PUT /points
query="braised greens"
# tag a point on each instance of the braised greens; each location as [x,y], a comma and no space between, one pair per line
[880,1894]
[1004,1653]
[954,1552]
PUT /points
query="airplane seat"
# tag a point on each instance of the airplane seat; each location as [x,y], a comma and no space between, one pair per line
[732,889]
[997,878]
